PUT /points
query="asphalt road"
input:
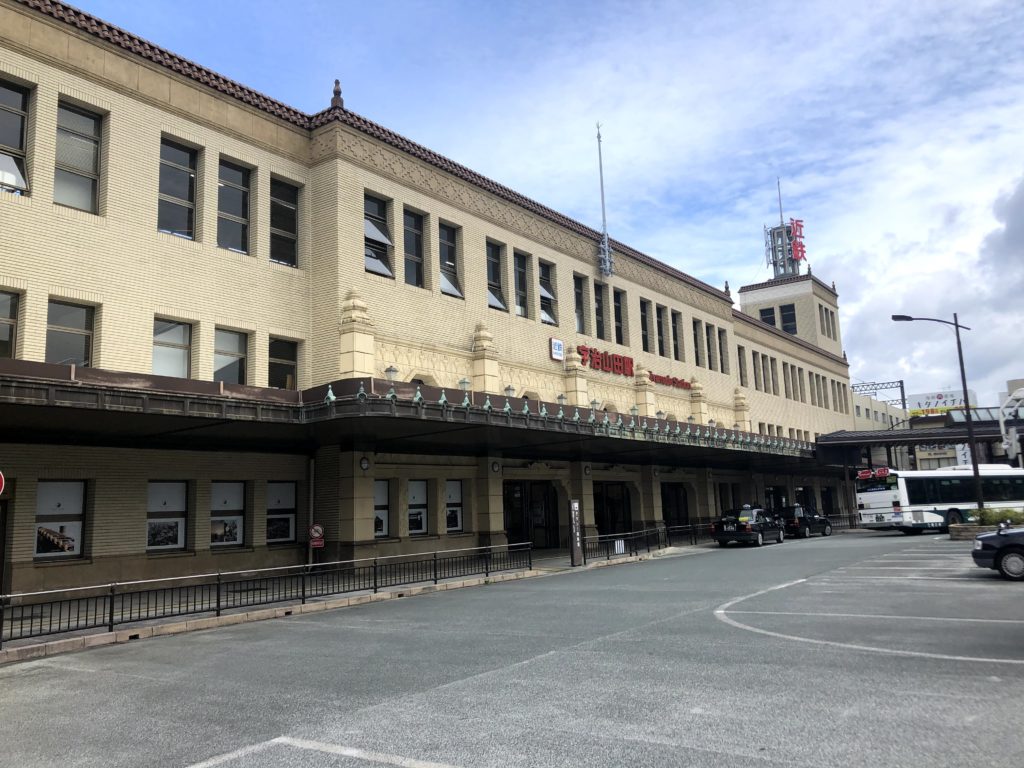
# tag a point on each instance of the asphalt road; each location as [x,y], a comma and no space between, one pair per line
[858,650]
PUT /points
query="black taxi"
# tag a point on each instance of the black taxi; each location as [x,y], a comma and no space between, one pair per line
[748,525]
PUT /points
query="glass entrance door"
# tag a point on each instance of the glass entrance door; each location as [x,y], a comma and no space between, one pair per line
[531,513]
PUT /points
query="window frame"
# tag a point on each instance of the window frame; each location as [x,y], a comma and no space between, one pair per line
[377,243]
[381,509]
[788,325]
[600,309]
[452,504]
[419,507]
[96,139]
[187,347]
[72,331]
[178,515]
[285,508]
[283,234]
[190,204]
[414,261]
[19,154]
[659,324]
[282,362]
[521,283]
[74,516]
[767,315]
[495,253]
[237,514]
[619,315]
[224,216]
[10,321]
[449,269]
[243,356]
[546,280]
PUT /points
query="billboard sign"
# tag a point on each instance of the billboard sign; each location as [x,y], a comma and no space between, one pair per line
[938,402]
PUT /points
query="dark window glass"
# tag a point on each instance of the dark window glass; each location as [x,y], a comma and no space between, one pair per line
[521,290]
[599,294]
[768,315]
[620,331]
[645,340]
[233,208]
[495,292]
[677,336]
[230,349]
[698,343]
[283,369]
[660,315]
[8,323]
[787,315]
[76,176]
[578,288]
[377,238]
[69,334]
[283,249]
[13,116]
[284,222]
[172,348]
[176,207]
[548,299]
[413,249]
[449,261]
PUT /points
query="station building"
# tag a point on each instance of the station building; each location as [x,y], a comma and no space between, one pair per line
[223,319]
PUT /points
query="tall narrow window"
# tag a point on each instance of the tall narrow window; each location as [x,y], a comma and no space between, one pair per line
[522,290]
[599,310]
[723,350]
[69,334]
[698,343]
[741,362]
[230,350]
[172,348]
[413,249]
[833,331]
[233,207]
[60,518]
[8,324]
[381,508]
[177,205]
[645,311]
[284,364]
[77,170]
[453,505]
[677,336]
[166,515]
[376,237]
[775,375]
[284,223]
[768,315]
[281,512]
[495,291]
[13,117]
[755,360]
[786,381]
[548,302]
[417,510]
[578,290]
[787,316]
[449,260]
[659,313]
[619,301]
[227,514]
[709,346]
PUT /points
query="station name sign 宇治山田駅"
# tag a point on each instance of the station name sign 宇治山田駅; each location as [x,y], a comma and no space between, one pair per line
[622,365]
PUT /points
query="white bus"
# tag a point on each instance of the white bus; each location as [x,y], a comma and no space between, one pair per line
[916,501]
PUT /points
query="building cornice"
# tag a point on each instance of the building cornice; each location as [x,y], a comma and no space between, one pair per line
[754,322]
[789,280]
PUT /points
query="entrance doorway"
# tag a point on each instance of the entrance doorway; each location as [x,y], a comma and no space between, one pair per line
[828,505]
[675,509]
[611,508]
[775,497]
[531,513]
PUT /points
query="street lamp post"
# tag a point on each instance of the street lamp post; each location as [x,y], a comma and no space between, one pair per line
[978,495]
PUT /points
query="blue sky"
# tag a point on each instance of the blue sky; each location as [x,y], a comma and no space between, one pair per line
[896,129]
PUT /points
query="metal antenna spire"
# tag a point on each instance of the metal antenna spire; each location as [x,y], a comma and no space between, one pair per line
[778,184]
[604,261]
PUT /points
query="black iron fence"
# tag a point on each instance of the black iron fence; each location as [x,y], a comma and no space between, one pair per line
[37,614]
[611,545]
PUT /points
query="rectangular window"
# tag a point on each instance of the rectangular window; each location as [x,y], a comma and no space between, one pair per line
[645,336]
[413,249]
[448,235]
[787,316]
[230,349]
[821,319]
[619,302]
[755,360]
[283,366]
[172,348]
[659,314]
[858,410]
[832,325]
[599,310]
[69,334]
[709,341]
[677,336]
[13,118]
[281,512]
[233,207]
[453,505]
[8,324]
[579,286]
[775,375]
[166,515]
[803,391]
[417,511]
[176,210]
[698,343]
[227,514]
[381,508]
[741,360]
[77,169]
[723,350]
[376,237]
[766,374]
[521,285]
[786,381]
[495,283]
[548,295]
[835,397]
[768,315]
[284,223]
[60,518]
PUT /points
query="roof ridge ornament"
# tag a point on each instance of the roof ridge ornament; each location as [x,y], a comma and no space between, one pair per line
[336,100]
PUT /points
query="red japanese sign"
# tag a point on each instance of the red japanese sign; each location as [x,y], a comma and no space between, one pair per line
[670,381]
[796,237]
[606,361]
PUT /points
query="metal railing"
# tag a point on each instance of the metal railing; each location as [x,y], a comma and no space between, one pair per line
[37,614]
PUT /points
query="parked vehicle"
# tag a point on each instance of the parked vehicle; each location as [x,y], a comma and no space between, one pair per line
[1002,551]
[800,522]
[748,525]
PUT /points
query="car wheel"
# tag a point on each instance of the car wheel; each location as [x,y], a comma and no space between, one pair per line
[805,533]
[827,531]
[760,540]
[1011,565]
[781,537]
[722,543]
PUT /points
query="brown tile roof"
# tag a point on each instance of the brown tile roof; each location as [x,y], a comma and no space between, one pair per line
[136,45]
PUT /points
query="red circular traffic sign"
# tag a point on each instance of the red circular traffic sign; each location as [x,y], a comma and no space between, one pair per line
[316,531]
[1,482]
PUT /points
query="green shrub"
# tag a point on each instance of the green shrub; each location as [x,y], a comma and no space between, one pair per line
[995,515]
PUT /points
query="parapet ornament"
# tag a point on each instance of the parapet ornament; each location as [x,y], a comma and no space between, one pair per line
[483,340]
[355,311]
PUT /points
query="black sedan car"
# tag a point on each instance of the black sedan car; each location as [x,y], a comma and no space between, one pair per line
[1002,551]
[800,522]
[748,525]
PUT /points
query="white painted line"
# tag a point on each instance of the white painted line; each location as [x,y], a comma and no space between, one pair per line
[359,754]
[229,756]
[720,614]
[898,568]
[881,616]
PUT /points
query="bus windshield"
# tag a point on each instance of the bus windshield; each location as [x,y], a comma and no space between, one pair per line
[889,483]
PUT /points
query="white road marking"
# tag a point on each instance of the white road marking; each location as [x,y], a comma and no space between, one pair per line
[228,756]
[359,754]
[881,616]
[720,614]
